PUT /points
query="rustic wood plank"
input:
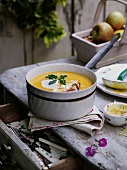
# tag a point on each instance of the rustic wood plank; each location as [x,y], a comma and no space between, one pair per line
[1,94]
[84,15]
[15,80]
[107,158]
[9,113]
[71,163]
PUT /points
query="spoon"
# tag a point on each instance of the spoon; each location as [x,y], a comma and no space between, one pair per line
[118,83]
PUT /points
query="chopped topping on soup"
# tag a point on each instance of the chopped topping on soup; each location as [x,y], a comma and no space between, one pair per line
[61,81]
[53,78]
[74,87]
[57,86]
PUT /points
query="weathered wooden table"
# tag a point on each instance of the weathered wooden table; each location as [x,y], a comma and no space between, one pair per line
[112,157]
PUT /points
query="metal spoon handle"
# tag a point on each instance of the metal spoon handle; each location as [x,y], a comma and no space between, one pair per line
[102,52]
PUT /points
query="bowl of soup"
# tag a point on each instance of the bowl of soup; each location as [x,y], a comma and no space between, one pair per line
[61,91]
[116,113]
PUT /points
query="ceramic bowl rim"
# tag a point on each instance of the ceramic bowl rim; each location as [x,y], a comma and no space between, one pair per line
[113,115]
[64,64]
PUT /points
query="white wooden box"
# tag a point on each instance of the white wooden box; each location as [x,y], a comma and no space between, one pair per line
[86,50]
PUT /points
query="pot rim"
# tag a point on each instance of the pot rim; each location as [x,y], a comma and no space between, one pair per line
[93,86]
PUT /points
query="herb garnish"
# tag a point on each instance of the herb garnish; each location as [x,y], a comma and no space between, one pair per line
[54,78]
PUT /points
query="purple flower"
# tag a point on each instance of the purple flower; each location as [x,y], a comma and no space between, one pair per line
[91,151]
[102,142]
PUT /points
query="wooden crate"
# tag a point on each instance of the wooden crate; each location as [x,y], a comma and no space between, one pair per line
[20,151]
[86,50]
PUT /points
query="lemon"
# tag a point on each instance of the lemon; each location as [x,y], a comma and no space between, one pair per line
[119,31]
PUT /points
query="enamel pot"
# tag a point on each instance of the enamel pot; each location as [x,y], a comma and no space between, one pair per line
[65,106]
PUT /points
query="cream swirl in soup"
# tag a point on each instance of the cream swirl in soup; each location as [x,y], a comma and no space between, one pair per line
[61,81]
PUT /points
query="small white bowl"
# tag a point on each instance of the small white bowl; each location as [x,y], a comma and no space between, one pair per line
[114,115]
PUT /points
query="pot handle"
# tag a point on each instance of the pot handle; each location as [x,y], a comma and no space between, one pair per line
[102,52]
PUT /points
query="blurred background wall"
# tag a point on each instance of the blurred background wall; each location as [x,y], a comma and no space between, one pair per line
[18,48]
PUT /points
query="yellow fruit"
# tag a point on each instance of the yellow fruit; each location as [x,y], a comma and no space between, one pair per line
[119,31]
[116,20]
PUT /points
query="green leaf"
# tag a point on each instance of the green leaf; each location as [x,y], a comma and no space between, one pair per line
[52,82]
[51,76]
[63,76]
[54,78]
[62,81]
[64,2]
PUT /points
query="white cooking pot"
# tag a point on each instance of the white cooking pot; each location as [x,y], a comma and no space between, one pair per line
[64,106]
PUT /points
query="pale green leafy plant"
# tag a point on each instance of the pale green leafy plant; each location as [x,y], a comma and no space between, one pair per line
[38,15]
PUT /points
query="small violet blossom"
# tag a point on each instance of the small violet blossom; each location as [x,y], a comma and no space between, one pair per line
[91,151]
[102,142]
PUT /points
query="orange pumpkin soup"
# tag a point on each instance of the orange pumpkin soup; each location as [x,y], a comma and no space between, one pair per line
[61,81]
